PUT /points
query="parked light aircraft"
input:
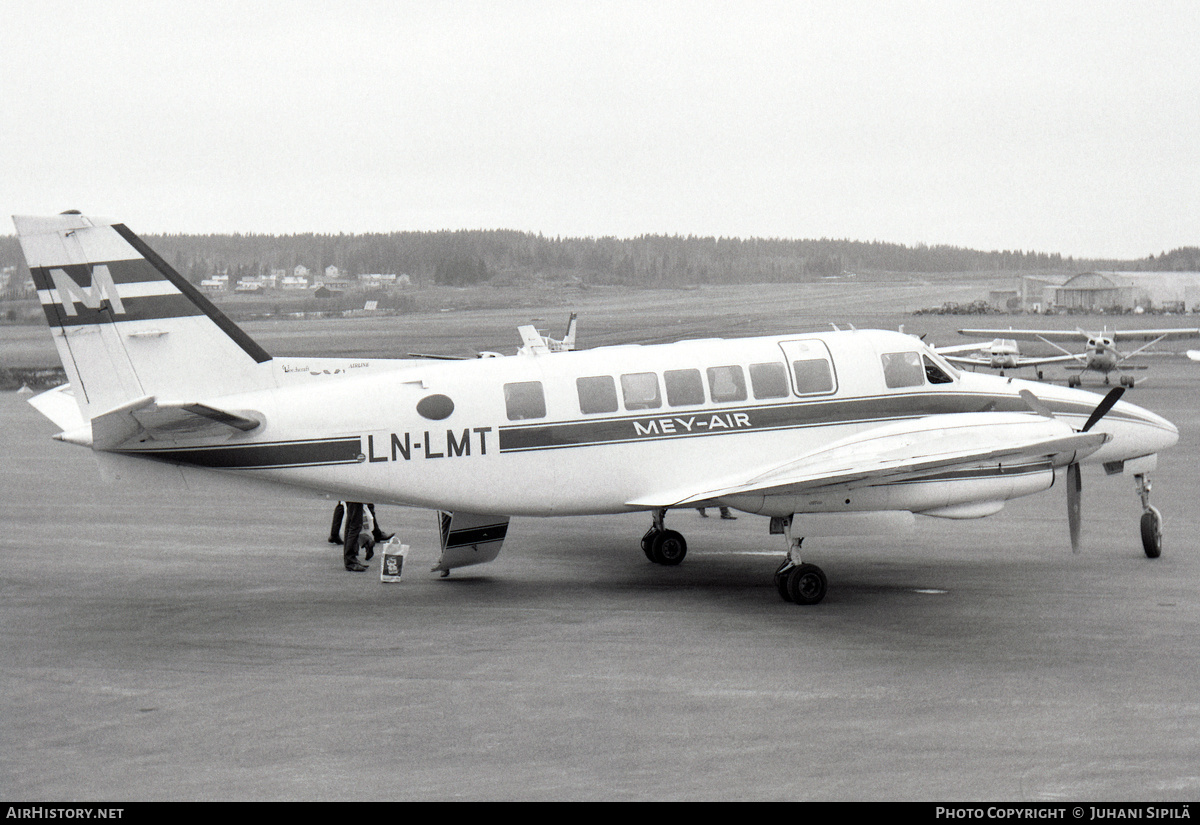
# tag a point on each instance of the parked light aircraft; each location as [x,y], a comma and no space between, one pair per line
[1001,354]
[532,343]
[826,433]
[1101,353]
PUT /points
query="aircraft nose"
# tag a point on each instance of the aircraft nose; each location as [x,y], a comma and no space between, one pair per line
[1154,432]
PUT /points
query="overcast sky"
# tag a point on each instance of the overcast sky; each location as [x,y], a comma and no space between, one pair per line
[1069,127]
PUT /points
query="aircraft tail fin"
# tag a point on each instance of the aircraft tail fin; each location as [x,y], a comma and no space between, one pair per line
[127,326]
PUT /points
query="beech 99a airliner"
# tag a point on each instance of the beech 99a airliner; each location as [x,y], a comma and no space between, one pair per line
[824,433]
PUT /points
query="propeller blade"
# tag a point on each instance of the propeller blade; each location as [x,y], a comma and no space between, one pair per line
[1114,395]
[1034,403]
[1074,505]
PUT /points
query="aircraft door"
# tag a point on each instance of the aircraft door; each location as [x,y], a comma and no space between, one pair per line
[810,367]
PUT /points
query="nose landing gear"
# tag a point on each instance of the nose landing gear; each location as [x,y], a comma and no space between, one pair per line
[1151,519]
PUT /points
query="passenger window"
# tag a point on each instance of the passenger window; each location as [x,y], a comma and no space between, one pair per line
[726,383]
[524,400]
[641,391]
[813,376]
[934,374]
[597,394]
[683,387]
[769,380]
[903,369]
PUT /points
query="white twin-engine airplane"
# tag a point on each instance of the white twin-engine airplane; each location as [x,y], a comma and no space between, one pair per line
[829,433]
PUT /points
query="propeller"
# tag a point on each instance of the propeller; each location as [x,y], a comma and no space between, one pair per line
[1074,477]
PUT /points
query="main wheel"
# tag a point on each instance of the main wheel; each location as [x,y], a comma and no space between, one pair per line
[781,579]
[1152,533]
[648,543]
[667,547]
[806,584]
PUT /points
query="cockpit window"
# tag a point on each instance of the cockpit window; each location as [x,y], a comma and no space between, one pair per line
[903,369]
[934,374]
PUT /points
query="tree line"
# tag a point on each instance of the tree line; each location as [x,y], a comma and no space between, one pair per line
[465,257]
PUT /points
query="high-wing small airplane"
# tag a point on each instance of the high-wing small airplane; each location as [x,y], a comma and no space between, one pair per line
[532,343]
[826,433]
[1100,353]
[1001,354]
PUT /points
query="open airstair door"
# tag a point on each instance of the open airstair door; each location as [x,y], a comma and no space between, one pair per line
[469,538]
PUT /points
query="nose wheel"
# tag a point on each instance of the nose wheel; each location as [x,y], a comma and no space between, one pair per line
[1151,519]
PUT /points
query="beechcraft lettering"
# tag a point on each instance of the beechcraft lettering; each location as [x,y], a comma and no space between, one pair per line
[849,432]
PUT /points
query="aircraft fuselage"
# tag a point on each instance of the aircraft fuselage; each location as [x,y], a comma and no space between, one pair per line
[597,431]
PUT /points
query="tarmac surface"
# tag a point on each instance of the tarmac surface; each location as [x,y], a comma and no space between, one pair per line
[213,648]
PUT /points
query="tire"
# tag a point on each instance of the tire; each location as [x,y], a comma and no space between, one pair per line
[806,584]
[668,548]
[648,543]
[781,579]
[1152,533]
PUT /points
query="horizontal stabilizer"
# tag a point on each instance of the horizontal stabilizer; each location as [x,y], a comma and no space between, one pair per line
[60,406]
[144,420]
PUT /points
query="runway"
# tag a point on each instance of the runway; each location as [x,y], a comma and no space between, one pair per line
[214,649]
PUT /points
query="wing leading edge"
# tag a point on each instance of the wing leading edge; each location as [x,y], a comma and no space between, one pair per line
[902,451]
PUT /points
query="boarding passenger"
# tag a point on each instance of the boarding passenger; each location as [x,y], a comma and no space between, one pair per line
[355,536]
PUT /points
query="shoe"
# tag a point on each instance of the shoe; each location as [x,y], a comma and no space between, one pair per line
[355,567]
[382,537]
[334,540]
[729,518]
[370,554]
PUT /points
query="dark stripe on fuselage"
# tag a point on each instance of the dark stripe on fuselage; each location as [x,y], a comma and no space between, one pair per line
[713,421]
[276,455]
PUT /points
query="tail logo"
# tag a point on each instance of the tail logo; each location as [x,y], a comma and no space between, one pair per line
[101,289]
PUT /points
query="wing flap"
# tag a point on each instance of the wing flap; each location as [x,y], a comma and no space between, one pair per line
[905,450]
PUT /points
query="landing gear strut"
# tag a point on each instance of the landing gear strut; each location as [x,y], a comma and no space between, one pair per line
[663,546]
[796,581]
[1151,519]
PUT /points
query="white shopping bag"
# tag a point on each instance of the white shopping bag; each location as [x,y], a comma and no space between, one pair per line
[392,560]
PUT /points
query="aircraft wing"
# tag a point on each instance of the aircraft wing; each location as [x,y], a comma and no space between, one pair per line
[904,452]
[1027,334]
[959,348]
[1022,360]
[1154,334]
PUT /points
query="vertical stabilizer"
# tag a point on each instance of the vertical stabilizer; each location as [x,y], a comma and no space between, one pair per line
[126,324]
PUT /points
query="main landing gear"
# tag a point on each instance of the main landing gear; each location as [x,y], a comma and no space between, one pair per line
[663,546]
[1151,519]
[796,581]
